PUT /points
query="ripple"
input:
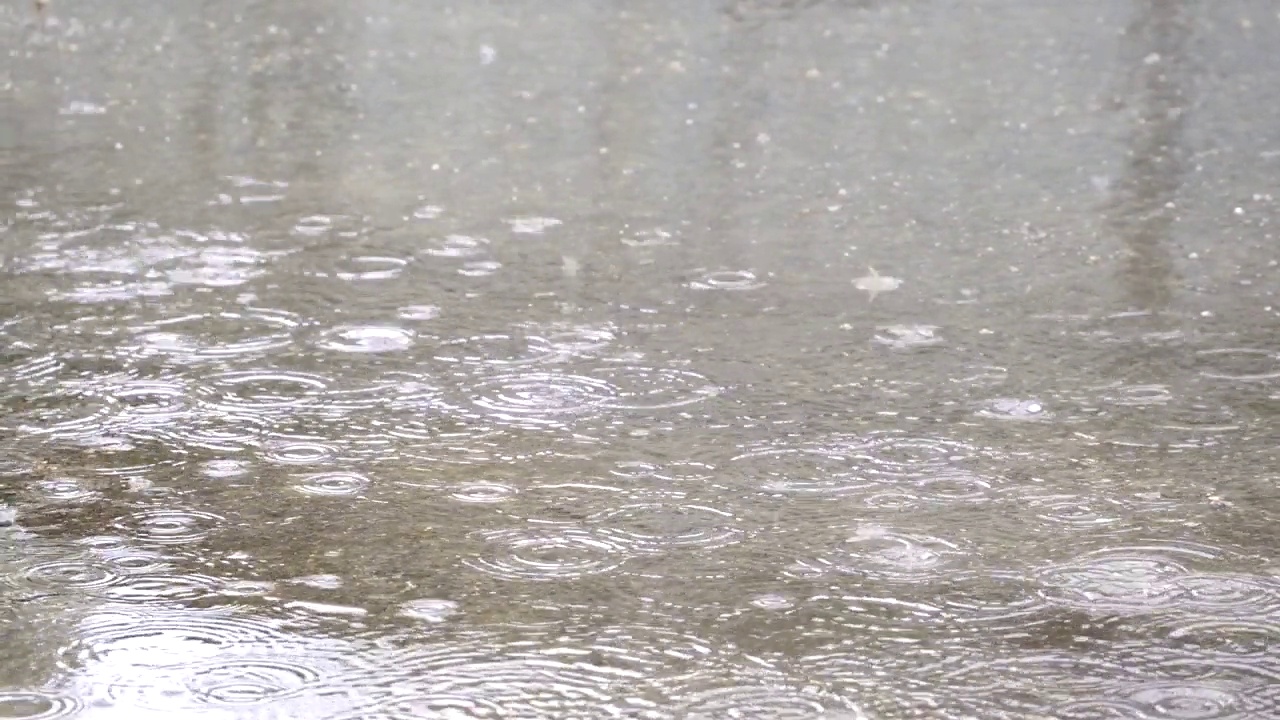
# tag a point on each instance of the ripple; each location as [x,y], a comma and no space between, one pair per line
[66,489]
[132,560]
[36,705]
[1135,395]
[953,486]
[546,555]
[333,484]
[1230,594]
[652,388]
[1187,701]
[905,337]
[1230,639]
[222,468]
[163,588]
[457,246]
[243,681]
[1135,579]
[579,340]
[431,610]
[483,492]
[1072,511]
[203,337]
[654,237]
[70,574]
[301,452]
[317,225]
[170,526]
[980,376]
[532,225]
[1240,364]
[366,339]
[443,704]
[145,635]
[659,527]
[776,702]
[877,552]
[498,350]
[808,470]
[895,457]
[725,280]
[682,472]
[419,312]
[1014,409]
[372,267]
[773,601]
[541,398]
[479,268]
[249,391]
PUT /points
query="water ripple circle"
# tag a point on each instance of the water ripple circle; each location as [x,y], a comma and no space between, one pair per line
[894,456]
[301,452]
[201,338]
[139,634]
[881,553]
[36,705]
[804,469]
[170,526]
[443,704]
[546,554]
[541,398]
[1241,364]
[726,280]
[70,574]
[656,388]
[498,350]
[1118,580]
[1188,701]
[247,391]
[332,484]
[163,588]
[775,702]
[658,527]
[239,681]
[483,492]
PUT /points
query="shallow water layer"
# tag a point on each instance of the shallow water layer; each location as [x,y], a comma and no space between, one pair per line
[734,359]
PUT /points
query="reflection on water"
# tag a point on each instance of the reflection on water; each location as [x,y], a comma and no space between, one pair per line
[462,362]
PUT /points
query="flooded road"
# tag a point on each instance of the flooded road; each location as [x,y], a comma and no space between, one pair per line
[692,360]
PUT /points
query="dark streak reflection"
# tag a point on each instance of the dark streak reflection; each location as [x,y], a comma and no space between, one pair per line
[1141,209]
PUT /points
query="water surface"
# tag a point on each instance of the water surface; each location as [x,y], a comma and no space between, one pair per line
[744,359]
